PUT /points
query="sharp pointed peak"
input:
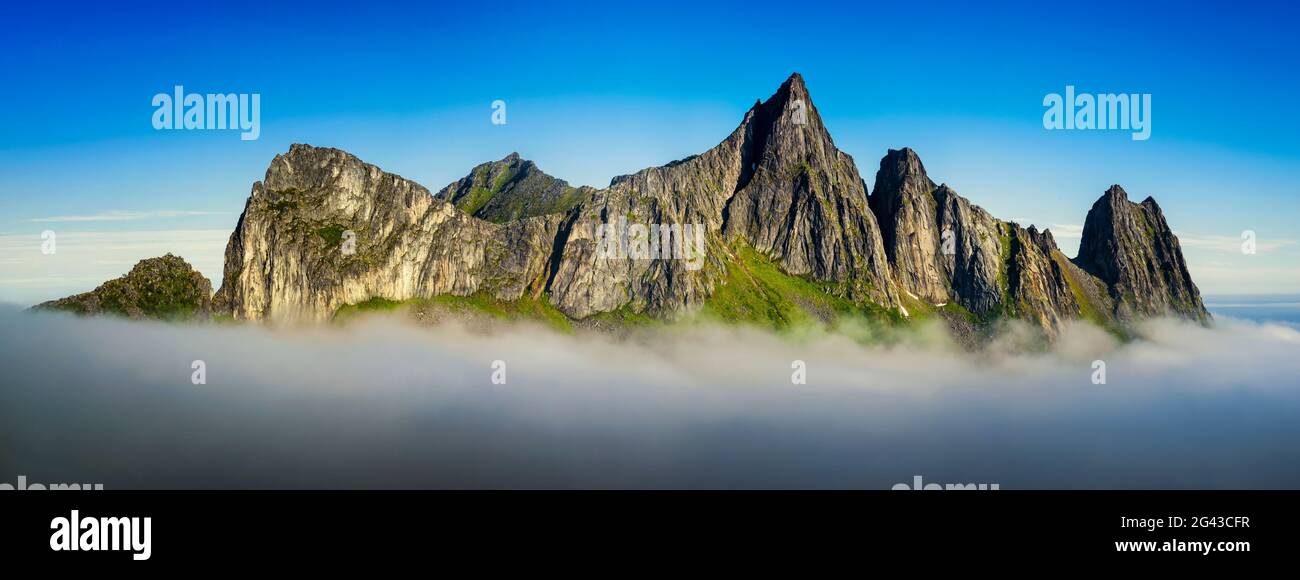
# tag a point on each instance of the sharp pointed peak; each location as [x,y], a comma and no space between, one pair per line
[795,88]
[790,91]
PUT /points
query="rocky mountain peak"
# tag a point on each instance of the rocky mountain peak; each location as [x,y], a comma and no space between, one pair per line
[901,169]
[800,200]
[791,106]
[793,89]
[784,128]
[908,213]
[510,189]
[1131,248]
[165,288]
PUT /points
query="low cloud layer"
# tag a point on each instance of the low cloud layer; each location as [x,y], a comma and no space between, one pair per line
[382,404]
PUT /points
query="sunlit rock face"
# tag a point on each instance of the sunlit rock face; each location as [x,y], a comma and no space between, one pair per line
[324,229]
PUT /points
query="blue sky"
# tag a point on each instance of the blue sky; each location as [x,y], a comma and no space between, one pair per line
[600,89]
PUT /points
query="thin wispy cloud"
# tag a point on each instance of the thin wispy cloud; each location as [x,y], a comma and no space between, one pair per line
[122,215]
[1067,230]
[86,259]
[1232,244]
[1211,243]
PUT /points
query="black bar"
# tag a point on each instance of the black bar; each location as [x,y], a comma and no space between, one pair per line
[315,529]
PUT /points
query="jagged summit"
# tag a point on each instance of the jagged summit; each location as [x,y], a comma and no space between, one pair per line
[801,201]
[944,249]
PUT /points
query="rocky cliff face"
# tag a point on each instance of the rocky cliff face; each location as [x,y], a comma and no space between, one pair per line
[324,230]
[164,288]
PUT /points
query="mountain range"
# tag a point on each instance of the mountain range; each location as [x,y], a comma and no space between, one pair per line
[792,234]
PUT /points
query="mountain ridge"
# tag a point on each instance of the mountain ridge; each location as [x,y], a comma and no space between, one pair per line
[790,229]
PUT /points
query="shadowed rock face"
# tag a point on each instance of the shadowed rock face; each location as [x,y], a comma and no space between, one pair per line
[777,186]
[1130,247]
[164,288]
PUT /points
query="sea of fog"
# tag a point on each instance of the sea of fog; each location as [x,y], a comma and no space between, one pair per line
[384,404]
[1276,308]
